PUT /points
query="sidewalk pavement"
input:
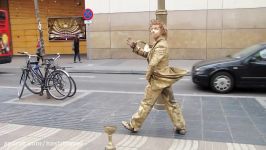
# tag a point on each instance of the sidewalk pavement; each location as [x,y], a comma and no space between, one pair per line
[108,66]
[36,137]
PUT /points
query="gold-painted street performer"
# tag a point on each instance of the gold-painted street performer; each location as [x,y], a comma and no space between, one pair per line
[160,78]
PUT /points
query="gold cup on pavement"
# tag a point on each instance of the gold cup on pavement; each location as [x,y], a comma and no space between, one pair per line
[110,130]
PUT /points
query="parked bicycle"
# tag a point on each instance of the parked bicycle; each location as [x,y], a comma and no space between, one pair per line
[56,82]
[54,67]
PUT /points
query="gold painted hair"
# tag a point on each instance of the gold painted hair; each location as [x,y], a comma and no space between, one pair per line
[161,25]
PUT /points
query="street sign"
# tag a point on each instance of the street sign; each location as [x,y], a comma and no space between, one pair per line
[87,14]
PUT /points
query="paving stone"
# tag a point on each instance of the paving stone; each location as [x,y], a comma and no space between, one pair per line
[219,136]
[261,128]
[209,111]
[215,101]
[229,101]
[249,139]
[214,117]
[205,116]
[234,113]
[215,126]
[194,124]
[192,116]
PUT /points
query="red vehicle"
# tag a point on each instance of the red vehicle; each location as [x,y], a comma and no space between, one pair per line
[5,38]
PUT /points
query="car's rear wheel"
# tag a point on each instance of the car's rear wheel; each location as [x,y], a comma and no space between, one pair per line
[222,82]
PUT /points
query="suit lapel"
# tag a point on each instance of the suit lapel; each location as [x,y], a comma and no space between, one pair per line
[153,48]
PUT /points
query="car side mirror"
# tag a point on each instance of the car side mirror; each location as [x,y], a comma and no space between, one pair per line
[253,59]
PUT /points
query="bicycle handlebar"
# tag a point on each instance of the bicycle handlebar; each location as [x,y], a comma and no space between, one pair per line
[26,53]
[58,56]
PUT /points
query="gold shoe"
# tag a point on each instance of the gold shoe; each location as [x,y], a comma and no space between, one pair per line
[128,126]
[180,131]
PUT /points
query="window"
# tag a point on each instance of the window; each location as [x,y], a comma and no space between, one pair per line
[2,16]
[261,55]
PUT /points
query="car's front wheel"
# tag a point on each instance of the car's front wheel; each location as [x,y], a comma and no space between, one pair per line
[222,82]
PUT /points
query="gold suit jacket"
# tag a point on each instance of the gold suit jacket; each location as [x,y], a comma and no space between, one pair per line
[160,73]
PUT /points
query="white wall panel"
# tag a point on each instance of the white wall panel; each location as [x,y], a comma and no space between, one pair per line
[129,5]
[243,3]
[185,4]
[98,6]
[215,4]
[114,6]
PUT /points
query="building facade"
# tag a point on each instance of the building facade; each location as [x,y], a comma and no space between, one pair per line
[24,27]
[198,29]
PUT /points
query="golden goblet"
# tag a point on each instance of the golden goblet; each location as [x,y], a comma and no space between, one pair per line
[110,130]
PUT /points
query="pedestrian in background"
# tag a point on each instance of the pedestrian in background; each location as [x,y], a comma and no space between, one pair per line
[75,48]
[39,51]
[160,78]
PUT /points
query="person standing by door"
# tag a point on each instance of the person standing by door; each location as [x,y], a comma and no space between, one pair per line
[75,48]
[160,78]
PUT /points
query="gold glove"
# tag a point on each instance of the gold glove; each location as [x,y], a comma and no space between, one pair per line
[131,43]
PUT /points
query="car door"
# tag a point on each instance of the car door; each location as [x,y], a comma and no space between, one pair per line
[255,72]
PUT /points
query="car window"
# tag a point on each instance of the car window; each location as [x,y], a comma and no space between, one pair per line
[261,55]
[247,51]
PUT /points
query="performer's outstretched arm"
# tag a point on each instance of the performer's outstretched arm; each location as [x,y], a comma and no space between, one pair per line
[140,51]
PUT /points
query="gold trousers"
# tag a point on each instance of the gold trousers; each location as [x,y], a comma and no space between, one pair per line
[150,97]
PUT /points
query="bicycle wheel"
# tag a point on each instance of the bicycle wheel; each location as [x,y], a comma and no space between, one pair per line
[33,83]
[73,87]
[59,84]
[22,82]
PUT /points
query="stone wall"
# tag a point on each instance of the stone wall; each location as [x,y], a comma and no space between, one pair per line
[193,34]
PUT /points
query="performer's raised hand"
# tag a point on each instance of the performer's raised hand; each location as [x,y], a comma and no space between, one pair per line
[131,42]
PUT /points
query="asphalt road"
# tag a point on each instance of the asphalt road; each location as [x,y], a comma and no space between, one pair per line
[131,83]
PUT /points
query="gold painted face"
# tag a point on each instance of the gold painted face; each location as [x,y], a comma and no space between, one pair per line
[155,31]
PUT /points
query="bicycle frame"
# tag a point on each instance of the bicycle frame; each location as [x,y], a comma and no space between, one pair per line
[41,79]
